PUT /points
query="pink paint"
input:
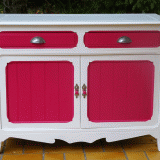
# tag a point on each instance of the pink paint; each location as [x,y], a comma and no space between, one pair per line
[120,91]
[76,92]
[84,92]
[108,39]
[53,39]
[38,93]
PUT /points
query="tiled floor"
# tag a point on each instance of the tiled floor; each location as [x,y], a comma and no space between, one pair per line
[140,148]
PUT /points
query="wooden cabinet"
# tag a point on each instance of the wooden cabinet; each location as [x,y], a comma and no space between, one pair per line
[79,78]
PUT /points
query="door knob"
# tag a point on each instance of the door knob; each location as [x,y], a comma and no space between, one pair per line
[76,90]
[37,40]
[84,87]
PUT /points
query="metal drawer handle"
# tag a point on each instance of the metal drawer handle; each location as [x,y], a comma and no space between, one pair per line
[37,40]
[124,39]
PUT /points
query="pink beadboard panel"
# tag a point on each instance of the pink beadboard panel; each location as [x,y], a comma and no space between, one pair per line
[108,39]
[53,39]
[120,91]
[40,92]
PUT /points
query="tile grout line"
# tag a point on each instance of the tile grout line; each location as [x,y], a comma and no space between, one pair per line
[64,156]
[23,148]
[102,146]
[43,154]
[84,154]
[103,149]
[3,150]
[124,153]
[146,155]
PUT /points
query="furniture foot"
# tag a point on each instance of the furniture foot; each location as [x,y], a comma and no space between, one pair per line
[158,143]
[0,146]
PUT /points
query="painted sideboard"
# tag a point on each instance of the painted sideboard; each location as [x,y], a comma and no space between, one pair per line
[79,77]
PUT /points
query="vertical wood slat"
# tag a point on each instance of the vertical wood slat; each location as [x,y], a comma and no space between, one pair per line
[126,88]
[12,97]
[46,93]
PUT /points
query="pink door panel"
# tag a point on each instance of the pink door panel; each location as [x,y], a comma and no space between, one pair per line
[53,39]
[120,91]
[40,92]
[108,39]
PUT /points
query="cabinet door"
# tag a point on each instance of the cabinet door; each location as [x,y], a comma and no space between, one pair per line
[40,90]
[120,90]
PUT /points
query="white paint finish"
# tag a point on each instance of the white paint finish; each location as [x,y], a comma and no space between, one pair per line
[76,136]
[76,119]
[85,123]
[80,49]
[78,19]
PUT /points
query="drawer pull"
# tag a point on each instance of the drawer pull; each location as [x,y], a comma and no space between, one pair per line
[37,40]
[124,39]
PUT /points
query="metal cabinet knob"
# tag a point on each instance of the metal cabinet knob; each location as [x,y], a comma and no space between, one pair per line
[124,39]
[37,40]
[84,87]
[76,90]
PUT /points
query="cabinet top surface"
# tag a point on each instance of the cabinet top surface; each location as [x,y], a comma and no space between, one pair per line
[78,19]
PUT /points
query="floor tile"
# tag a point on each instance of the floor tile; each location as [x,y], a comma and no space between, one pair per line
[33,147]
[140,147]
[106,156]
[63,147]
[113,148]
[136,156]
[53,156]
[74,156]
[14,146]
[153,155]
[23,157]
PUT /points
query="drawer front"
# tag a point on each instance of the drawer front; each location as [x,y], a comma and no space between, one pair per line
[108,39]
[53,39]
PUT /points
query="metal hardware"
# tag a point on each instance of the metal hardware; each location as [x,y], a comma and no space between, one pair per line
[76,90]
[124,39]
[84,87]
[37,40]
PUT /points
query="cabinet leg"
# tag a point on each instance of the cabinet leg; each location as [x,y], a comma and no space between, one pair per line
[0,146]
[158,144]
